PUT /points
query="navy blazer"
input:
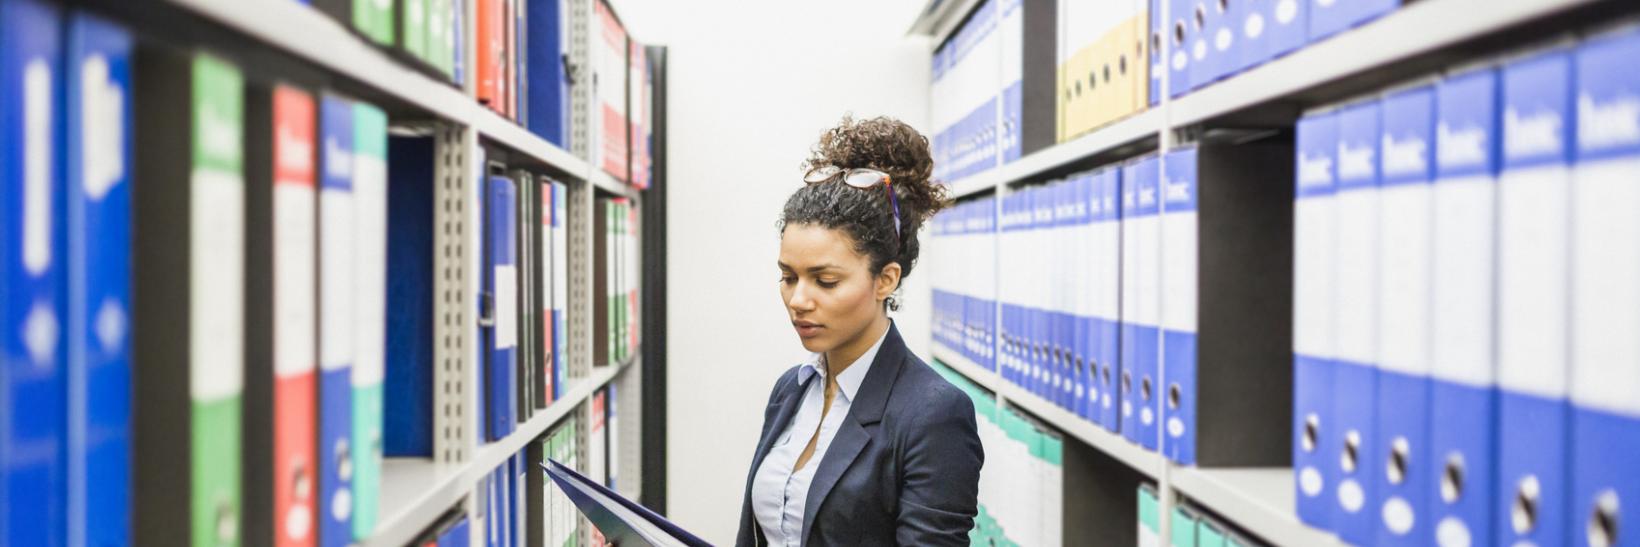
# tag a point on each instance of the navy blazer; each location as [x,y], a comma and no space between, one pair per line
[904,465]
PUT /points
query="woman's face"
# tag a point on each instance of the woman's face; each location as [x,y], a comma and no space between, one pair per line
[830,294]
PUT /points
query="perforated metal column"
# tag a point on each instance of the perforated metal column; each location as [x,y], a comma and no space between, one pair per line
[453,212]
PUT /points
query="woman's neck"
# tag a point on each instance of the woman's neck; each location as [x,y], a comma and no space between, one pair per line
[845,355]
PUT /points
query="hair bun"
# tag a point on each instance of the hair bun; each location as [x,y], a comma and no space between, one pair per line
[890,146]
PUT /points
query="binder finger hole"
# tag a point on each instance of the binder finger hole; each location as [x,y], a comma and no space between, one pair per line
[1523,512]
[1224,6]
[1603,522]
[1399,450]
[1351,456]
[1144,388]
[1178,32]
[1452,479]
[1312,432]
[1200,17]
[1173,396]
[1121,65]
[1127,383]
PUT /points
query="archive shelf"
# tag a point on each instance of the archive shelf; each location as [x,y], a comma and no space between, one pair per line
[1417,39]
[1260,500]
[416,491]
[1147,463]
[326,43]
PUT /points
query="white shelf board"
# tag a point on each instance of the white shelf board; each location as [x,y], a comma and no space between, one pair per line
[1146,462]
[416,491]
[939,18]
[603,181]
[1415,28]
[1260,500]
[1121,132]
[326,43]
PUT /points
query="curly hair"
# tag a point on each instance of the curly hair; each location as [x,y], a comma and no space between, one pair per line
[867,217]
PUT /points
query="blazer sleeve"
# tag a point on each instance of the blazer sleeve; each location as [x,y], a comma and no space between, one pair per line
[939,493]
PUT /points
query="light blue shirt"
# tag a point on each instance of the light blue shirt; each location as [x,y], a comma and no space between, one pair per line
[779,493]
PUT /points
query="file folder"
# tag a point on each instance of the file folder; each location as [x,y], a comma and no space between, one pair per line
[1150,518]
[188,327]
[1286,23]
[1329,17]
[1080,278]
[1405,256]
[374,19]
[560,287]
[1209,534]
[489,32]
[1212,38]
[1605,364]
[98,171]
[370,309]
[1184,34]
[1157,52]
[408,387]
[1181,526]
[281,350]
[1355,320]
[1226,303]
[1315,432]
[1147,282]
[610,54]
[1132,372]
[501,280]
[458,534]
[1008,254]
[1111,374]
[34,460]
[1534,224]
[338,236]
[411,19]
[1463,390]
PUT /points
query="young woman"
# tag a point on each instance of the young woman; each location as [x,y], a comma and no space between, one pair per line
[863,444]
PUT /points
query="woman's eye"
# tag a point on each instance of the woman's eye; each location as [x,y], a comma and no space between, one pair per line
[787,280]
[826,284]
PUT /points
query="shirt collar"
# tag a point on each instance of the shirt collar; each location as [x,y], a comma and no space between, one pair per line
[849,381]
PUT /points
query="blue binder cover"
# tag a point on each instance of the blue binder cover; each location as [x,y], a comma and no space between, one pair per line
[1129,329]
[988,308]
[99,216]
[547,89]
[1005,290]
[1109,322]
[457,535]
[1314,219]
[1041,317]
[502,281]
[1082,289]
[1158,52]
[622,521]
[560,204]
[1534,213]
[1147,335]
[1355,375]
[1605,426]
[1405,231]
[1180,42]
[1329,17]
[1207,32]
[335,332]
[1463,390]
[33,383]
[408,401]
[1179,323]
[1287,22]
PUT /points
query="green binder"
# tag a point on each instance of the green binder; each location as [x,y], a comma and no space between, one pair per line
[1183,527]
[374,19]
[370,307]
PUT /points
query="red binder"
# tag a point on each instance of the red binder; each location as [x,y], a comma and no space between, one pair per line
[295,336]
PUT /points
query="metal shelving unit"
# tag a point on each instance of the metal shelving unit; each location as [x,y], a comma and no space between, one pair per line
[1417,40]
[417,492]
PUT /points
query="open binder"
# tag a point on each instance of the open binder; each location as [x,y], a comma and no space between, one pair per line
[623,522]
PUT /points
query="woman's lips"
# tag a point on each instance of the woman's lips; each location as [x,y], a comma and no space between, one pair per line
[806,329]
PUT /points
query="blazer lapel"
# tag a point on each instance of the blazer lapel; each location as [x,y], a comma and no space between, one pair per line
[856,432]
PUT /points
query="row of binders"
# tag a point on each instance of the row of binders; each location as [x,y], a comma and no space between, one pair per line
[1465,303]
[195,301]
[615,278]
[1149,297]
[1188,525]
[1022,487]
[524,294]
[521,51]
[991,101]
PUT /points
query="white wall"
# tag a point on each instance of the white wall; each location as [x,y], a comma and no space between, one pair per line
[752,85]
